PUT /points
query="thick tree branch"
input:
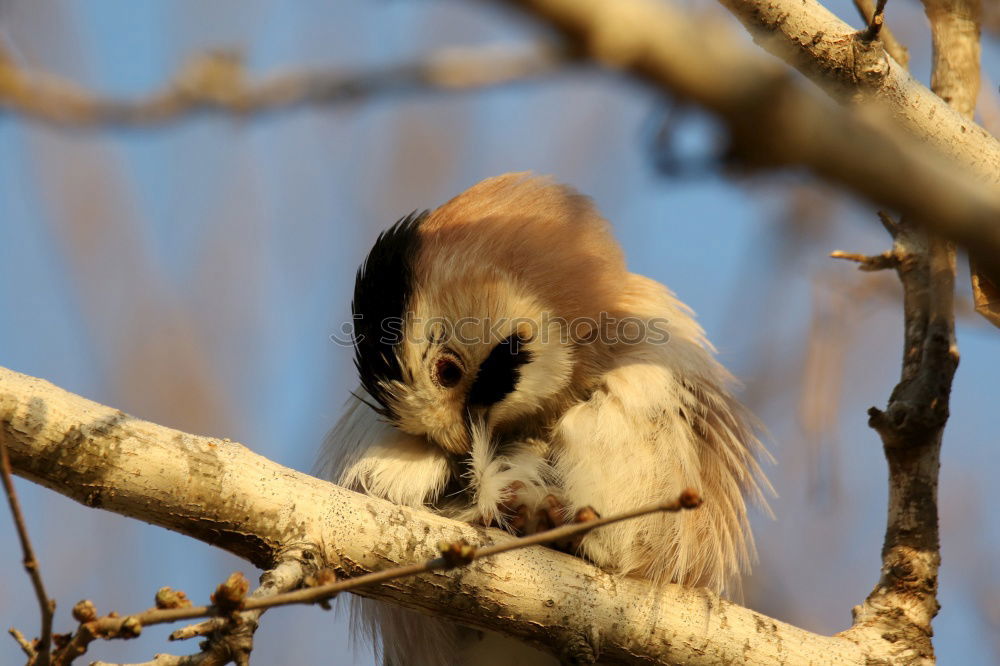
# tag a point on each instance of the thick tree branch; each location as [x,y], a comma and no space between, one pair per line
[817,43]
[222,493]
[775,121]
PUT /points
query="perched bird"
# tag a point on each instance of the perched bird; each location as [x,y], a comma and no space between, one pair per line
[511,368]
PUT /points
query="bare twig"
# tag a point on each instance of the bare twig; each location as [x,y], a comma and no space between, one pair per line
[234,619]
[877,262]
[47,606]
[26,646]
[232,637]
[231,632]
[219,81]
[871,13]
[875,20]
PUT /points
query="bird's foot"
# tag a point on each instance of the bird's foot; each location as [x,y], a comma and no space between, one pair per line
[524,519]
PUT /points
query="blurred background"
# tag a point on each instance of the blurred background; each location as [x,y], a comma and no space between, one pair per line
[191,272]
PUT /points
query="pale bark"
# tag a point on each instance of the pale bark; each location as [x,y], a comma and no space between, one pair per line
[224,494]
[816,42]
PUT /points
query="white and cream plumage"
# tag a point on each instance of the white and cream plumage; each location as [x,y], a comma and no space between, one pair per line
[555,398]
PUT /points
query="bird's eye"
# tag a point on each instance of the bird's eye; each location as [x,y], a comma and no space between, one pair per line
[447,372]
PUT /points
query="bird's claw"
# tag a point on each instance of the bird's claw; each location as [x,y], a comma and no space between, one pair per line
[549,514]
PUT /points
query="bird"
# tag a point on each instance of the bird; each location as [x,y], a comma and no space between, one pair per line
[513,373]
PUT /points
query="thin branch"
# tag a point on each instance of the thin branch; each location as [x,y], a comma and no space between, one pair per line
[296,568]
[874,18]
[26,646]
[219,81]
[232,638]
[878,262]
[453,555]
[46,606]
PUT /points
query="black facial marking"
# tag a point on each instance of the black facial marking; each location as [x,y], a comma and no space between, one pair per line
[381,295]
[499,373]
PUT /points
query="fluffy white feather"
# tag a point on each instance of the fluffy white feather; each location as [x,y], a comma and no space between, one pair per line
[519,476]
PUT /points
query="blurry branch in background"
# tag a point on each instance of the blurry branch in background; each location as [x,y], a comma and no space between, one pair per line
[219,81]
[840,320]
[36,651]
[774,121]
[259,510]
[987,295]
[955,78]
[829,60]
[991,16]
[948,182]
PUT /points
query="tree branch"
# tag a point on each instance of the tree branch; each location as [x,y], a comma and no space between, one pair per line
[875,18]
[235,617]
[775,121]
[817,43]
[223,494]
[218,81]
[38,654]
[904,602]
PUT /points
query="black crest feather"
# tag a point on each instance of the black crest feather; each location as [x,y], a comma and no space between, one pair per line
[382,294]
